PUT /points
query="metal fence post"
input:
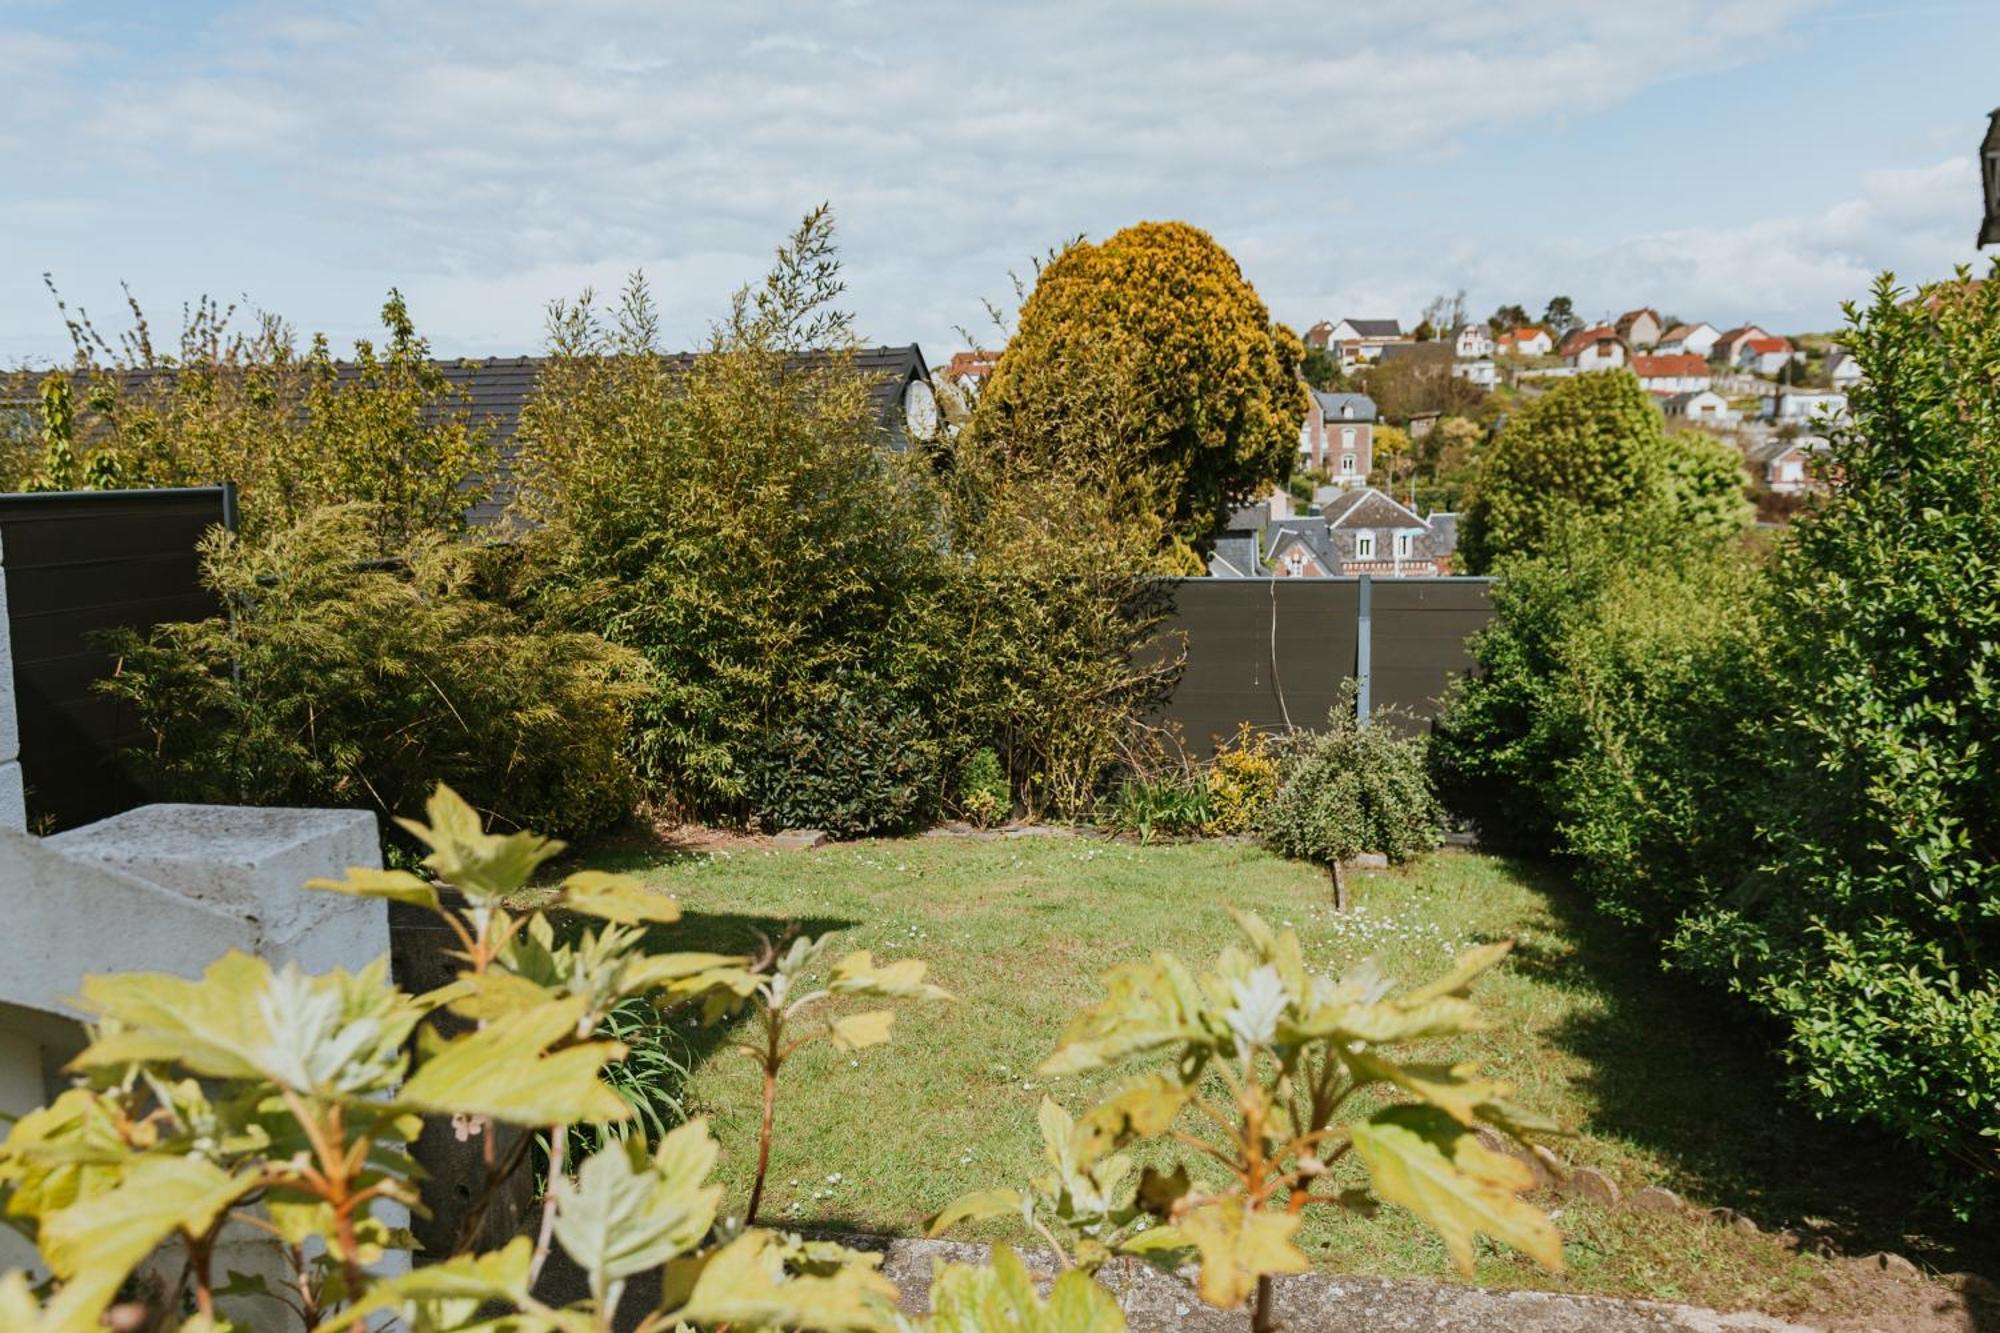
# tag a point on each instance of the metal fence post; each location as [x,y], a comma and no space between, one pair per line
[1362,650]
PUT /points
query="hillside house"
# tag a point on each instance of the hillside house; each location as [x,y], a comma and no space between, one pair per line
[1802,407]
[1703,407]
[1785,466]
[1640,328]
[1481,372]
[1471,342]
[1728,348]
[1672,374]
[1356,341]
[1337,438]
[1692,339]
[1595,348]
[1525,341]
[1767,356]
[1355,532]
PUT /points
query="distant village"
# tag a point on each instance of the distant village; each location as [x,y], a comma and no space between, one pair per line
[1396,416]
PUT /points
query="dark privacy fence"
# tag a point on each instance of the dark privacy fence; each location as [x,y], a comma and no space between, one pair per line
[1269,651]
[79,562]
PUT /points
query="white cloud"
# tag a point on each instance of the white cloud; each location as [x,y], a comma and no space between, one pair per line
[489,164]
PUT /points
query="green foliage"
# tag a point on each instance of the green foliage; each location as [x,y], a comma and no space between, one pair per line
[983,792]
[1594,445]
[1156,338]
[1871,930]
[1261,1055]
[304,1086]
[1242,782]
[1173,802]
[1352,788]
[734,518]
[334,681]
[866,763]
[296,432]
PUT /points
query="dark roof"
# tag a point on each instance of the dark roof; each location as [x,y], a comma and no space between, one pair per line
[1375,328]
[1333,406]
[1369,508]
[1425,351]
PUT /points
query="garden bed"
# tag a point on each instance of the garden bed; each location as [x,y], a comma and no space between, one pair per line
[1663,1088]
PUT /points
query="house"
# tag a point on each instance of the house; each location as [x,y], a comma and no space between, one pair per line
[1356,341]
[1784,465]
[1268,540]
[1767,356]
[1337,437]
[1639,328]
[1595,348]
[1525,341]
[1842,370]
[1728,347]
[1702,405]
[1471,342]
[1370,533]
[1675,373]
[1481,372]
[970,370]
[1799,407]
[1693,339]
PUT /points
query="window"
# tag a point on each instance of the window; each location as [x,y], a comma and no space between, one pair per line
[1347,437]
[1364,546]
[1295,562]
[1347,411]
[1347,465]
[1405,543]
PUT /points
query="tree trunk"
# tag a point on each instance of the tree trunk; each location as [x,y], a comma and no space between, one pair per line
[1339,886]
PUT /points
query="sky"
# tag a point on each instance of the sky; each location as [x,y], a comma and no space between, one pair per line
[1745,160]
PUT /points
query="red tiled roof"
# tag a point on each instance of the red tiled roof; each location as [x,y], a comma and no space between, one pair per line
[1631,315]
[1584,337]
[1682,365]
[1764,345]
[976,364]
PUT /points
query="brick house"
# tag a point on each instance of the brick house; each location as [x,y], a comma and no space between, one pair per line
[1355,532]
[1337,437]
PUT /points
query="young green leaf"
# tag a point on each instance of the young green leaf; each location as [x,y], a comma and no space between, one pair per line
[1420,1157]
[857,1032]
[624,1212]
[976,1207]
[1238,1245]
[94,1244]
[505,1070]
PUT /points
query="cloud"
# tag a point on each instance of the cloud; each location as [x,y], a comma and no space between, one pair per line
[475,161]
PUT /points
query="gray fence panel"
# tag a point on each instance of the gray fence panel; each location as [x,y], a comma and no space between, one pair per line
[77,563]
[1235,673]
[1420,631]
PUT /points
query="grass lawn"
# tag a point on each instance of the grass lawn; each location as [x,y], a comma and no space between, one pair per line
[1660,1083]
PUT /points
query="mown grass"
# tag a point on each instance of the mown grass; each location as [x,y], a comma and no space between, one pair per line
[1661,1083]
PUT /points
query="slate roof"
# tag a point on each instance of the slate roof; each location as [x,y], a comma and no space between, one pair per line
[1369,508]
[1374,328]
[1333,406]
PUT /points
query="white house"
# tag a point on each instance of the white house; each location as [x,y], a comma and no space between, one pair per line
[1481,372]
[1702,405]
[1766,356]
[1527,340]
[1472,342]
[1842,369]
[1596,348]
[1672,374]
[1784,465]
[1802,406]
[1356,341]
[1728,347]
[1692,339]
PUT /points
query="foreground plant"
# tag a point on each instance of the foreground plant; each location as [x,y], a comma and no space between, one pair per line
[261,1100]
[1265,1056]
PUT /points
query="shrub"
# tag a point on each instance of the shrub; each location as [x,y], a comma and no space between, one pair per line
[1173,803]
[865,764]
[736,519]
[1353,788]
[1242,782]
[1872,930]
[335,681]
[983,793]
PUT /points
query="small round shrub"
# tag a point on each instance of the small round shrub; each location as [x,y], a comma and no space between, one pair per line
[1351,789]
[865,764]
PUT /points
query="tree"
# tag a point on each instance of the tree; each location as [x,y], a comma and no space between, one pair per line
[1594,445]
[1321,369]
[1507,317]
[1445,312]
[1560,316]
[1155,336]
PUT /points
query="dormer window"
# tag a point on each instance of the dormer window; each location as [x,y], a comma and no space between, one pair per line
[1347,411]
